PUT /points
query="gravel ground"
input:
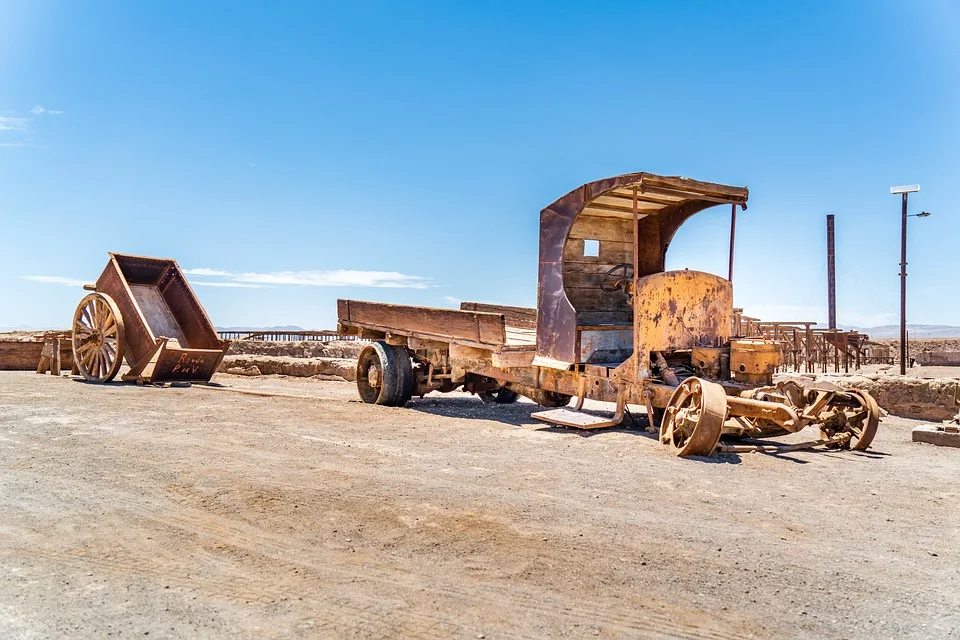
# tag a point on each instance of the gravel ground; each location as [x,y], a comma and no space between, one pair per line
[196,512]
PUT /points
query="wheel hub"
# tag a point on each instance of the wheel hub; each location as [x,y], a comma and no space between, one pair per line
[374,376]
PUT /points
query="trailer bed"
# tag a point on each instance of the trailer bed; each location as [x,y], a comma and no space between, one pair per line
[487,329]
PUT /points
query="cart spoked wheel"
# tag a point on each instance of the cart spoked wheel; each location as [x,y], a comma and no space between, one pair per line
[98,338]
[693,421]
[503,395]
[385,375]
[861,421]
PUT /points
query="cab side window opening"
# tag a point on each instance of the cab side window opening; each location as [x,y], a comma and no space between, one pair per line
[591,248]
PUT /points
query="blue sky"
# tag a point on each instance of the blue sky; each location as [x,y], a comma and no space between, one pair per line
[301,152]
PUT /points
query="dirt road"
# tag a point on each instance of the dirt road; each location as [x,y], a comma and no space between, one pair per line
[186,512]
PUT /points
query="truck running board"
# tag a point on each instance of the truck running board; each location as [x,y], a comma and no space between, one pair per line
[578,420]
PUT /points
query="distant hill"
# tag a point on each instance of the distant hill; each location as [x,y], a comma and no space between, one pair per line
[915,331]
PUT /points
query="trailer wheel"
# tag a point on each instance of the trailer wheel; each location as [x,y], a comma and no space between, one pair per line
[98,339]
[694,418]
[503,395]
[384,375]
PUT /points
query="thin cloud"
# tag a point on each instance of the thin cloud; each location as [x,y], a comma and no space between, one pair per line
[67,282]
[207,272]
[332,278]
[451,299]
[8,123]
[38,110]
[230,284]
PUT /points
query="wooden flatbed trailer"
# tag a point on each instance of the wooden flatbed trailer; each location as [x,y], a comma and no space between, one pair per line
[610,325]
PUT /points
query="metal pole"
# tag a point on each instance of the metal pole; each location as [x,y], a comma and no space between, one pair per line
[733,234]
[831,275]
[903,289]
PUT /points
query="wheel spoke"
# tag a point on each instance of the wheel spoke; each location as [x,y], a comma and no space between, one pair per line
[85,347]
[86,316]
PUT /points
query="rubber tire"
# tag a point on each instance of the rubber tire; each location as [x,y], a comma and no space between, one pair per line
[396,369]
[551,398]
[503,395]
[404,375]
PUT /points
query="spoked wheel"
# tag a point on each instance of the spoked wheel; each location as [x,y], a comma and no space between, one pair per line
[98,338]
[385,375]
[503,395]
[861,421]
[694,419]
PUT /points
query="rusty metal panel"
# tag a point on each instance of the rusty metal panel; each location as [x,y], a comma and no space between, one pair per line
[608,346]
[681,310]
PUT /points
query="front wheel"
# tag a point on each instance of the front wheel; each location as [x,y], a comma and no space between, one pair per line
[385,375]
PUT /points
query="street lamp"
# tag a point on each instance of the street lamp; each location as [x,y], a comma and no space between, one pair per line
[904,192]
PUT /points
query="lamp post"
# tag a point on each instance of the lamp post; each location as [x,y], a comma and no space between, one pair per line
[904,192]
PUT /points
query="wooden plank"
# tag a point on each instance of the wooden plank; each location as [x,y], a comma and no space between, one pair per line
[518,336]
[625,197]
[506,359]
[156,312]
[612,252]
[593,299]
[605,317]
[525,317]
[598,228]
[447,324]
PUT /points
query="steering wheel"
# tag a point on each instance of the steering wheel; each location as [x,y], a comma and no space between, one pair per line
[627,274]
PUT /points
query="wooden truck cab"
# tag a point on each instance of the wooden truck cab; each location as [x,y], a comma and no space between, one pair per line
[628,220]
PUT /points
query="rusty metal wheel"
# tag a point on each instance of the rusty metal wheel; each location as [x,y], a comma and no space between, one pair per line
[861,421]
[98,338]
[693,421]
[384,375]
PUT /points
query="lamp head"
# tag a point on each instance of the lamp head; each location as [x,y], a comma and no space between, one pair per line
[907,188]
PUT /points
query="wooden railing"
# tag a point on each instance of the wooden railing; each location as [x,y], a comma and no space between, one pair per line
[804,348]
[285,336]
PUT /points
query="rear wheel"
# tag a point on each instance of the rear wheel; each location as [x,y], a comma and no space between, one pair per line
[550,398]
[503,395]
[385,375]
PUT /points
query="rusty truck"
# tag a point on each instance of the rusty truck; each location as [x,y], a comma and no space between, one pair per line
[611,324]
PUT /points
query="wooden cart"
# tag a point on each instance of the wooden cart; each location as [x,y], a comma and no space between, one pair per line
[143,310]
[612,325]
